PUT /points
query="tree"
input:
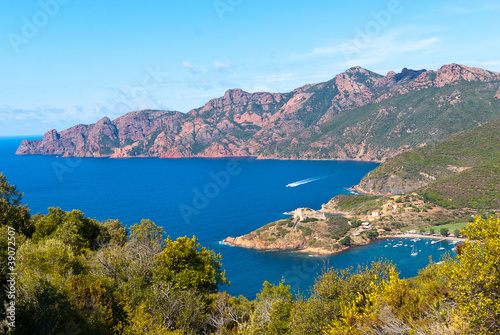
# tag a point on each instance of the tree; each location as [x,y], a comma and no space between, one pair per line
[272,313]
[117,231]
[111,261]
[475,276]
[12,213]
[73,228]
[372,235]
[168,307]
[44,269]
[444,232]
[228,312]
[432,231]
[141,321]
[50,258]
[456,232]
[187,265]
[337,291]
[142,250]
[91,297]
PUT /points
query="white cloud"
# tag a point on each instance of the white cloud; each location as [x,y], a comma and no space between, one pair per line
[280,77]
[368,50]
[222,66]
[386,48]
[193,69]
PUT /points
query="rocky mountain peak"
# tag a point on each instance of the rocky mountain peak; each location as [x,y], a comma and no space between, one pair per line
[408,74]
[390,75]
[356,69]
[103,121]
[51,135]
[453,73]
[236,95]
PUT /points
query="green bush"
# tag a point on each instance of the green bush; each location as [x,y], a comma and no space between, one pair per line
[345,241]
[306,231]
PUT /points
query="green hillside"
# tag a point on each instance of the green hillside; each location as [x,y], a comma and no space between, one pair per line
[461,171]
[478,187]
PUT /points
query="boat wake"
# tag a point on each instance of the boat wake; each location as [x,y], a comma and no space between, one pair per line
[307,180]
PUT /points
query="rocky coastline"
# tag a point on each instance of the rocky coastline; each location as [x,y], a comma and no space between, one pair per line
[238,242]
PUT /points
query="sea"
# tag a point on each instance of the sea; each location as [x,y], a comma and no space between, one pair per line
[211,199]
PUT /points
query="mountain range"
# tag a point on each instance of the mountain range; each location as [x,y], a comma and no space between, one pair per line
[357,115]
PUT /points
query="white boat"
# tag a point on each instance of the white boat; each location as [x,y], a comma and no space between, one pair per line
[414,252]
[441,248]
[395,246]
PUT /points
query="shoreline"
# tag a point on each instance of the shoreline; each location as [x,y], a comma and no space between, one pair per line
[447,238]
[323,252]
[355,189]
[208,157]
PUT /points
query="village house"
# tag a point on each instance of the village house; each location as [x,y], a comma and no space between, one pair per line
[419,203]
[388,206]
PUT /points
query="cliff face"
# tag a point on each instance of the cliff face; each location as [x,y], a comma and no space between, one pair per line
[357,115]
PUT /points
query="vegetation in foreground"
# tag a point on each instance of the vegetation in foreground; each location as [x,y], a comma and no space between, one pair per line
[76,275]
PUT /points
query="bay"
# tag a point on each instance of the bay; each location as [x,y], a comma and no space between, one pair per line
[209,198]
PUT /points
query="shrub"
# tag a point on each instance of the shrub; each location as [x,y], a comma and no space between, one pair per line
[345,241]
[306,231]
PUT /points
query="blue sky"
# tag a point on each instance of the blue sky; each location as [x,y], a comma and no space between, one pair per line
[65,62]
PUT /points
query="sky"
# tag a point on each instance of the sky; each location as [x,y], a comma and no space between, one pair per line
[65,62]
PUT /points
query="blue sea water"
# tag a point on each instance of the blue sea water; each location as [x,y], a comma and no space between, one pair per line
[209,198]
